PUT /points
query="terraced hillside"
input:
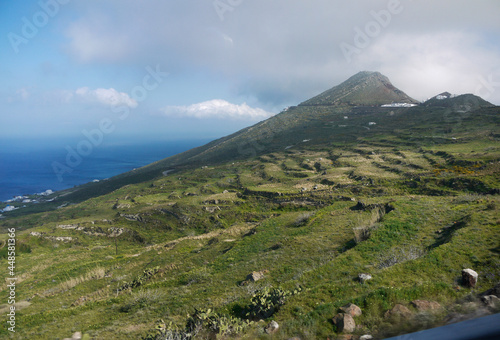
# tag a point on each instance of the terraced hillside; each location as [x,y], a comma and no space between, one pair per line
[311,216]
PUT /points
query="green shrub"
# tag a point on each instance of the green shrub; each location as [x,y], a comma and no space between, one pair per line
[146,275]
[268,301]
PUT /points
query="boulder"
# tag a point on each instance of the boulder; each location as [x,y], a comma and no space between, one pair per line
[344,322]
[366,337]
[364,277]
[398,311]
[351,309]
[256,276]
[469,278]
[493,291]
[272,327]
[491,301]
[423,305]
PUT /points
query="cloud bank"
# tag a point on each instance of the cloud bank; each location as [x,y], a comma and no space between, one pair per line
[218,109]
[294,52]
[107,97]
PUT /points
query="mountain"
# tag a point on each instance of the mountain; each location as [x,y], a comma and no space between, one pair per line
[364,88]
[464,102]
[339,115]
[289,221]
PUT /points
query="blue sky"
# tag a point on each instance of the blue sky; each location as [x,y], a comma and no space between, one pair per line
[206,68]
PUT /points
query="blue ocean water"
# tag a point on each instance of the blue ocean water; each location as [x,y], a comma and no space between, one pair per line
[28,169]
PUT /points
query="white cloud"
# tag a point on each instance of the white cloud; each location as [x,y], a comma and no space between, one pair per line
[219,109]
[21,95]
[108,97]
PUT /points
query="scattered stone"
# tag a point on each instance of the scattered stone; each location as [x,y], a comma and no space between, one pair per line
[79,302]
[423,305]
[398,311]
[351,309]
[364,277]
[122,206]
[256,276]
[77,336]
[225,192]
[344,322]
[491,301]
[272,327]
[115,231]
[469,278]
[212,209]
[136,218]
[366,337]
[60,238]
[67,226]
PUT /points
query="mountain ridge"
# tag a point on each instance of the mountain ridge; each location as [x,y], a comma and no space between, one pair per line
[313,121]
[364,88]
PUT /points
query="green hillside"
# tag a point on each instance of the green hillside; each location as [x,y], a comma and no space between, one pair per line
[305,201]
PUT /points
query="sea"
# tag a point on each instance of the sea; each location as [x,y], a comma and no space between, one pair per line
[27,168]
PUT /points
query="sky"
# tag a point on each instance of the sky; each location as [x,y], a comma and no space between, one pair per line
[167,70]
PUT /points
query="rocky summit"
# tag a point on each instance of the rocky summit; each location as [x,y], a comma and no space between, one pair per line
[364,88]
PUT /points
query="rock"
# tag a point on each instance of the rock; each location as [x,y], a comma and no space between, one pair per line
[366,337]
[469,278]
[225,192]
[351,309]
[77,336]
[212,209]
[398,311]
[272,327]
[344,322]
[294,338]
[256,276]
[364,277]
[491,301]
[493,291]
[423,305]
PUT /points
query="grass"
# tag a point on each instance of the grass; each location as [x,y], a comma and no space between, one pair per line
[294,214]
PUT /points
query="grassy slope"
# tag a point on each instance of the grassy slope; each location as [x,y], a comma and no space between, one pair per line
[207,228]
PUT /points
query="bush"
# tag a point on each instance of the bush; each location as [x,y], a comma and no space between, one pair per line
[363,232]
[303,218]
[268,301]
[201,322]
[146,275]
